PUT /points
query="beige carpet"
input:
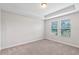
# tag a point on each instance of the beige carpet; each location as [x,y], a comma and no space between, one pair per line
[41,47]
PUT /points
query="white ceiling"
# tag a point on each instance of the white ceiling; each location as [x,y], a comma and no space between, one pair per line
[33,9]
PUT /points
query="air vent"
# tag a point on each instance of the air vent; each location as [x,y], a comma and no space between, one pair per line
[64,10]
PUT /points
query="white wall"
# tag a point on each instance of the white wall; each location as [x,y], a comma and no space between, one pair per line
[0,28]
[74,39]
[77,6]
[18,29]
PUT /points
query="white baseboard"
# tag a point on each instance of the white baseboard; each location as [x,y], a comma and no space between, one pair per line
[73,45]
[39,38]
